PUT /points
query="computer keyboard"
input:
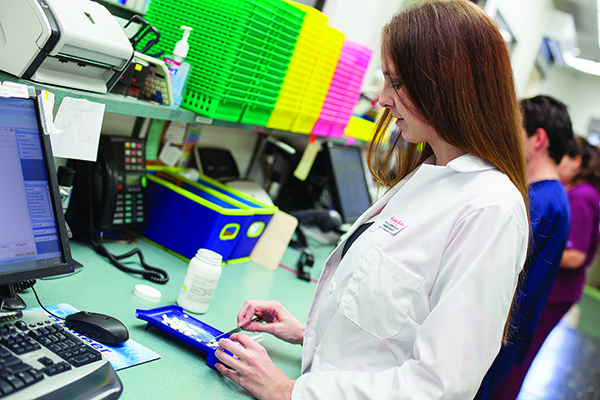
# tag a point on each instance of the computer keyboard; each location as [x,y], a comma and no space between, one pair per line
[40,359]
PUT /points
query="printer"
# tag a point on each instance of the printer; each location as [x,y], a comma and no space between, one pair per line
[70,43]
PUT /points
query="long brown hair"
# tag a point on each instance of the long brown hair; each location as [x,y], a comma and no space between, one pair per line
[456,69]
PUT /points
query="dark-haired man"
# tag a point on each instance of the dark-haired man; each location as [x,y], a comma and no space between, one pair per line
[546,131]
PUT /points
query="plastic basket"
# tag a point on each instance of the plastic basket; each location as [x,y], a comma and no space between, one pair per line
[261,218]
[213,106]
[360,128]
[320,80]
[239,50]
[183,221]
[261,213]
[344,90]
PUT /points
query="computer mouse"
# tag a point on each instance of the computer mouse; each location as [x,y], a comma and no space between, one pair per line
[99,327]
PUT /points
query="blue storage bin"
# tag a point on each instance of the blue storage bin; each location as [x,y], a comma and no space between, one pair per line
[184,218]
[262,213]
[258,222]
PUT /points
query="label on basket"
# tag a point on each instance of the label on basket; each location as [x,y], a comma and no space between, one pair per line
[203,120]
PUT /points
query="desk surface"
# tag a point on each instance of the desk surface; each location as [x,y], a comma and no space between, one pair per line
[181,371]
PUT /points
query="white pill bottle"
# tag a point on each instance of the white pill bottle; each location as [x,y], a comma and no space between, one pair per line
[200,281]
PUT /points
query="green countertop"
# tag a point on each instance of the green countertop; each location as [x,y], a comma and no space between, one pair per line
[181,372]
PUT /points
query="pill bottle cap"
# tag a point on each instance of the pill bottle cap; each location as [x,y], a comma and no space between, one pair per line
[147,293]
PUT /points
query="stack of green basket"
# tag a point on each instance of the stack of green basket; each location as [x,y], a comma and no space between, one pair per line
[239,51]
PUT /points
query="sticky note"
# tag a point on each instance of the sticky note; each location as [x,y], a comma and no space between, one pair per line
[81,122]
[307,160]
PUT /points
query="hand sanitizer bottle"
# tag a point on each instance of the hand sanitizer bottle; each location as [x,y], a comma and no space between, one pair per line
[179,69]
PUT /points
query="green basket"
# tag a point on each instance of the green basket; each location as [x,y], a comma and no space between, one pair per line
[213,106]
[240,51]
[257,114]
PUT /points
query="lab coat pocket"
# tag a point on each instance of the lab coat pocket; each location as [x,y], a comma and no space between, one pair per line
[379,294]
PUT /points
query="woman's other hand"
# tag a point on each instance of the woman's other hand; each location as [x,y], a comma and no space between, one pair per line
[251,368]
[279,322]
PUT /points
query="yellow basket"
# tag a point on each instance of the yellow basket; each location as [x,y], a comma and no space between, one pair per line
[321,76]
[302,63]
[360,129]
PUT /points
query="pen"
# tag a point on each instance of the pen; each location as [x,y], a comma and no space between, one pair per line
[214,340]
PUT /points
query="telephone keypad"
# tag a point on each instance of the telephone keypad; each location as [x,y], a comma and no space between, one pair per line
[130,197]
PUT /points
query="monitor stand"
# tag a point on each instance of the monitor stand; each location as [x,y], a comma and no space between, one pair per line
[9,299]
[76,266]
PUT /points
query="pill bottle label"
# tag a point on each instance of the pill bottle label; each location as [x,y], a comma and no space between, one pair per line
[200,290]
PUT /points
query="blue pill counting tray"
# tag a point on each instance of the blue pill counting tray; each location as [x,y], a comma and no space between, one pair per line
[173,321]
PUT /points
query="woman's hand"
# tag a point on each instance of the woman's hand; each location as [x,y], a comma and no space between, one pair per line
[252,368]
[279,321]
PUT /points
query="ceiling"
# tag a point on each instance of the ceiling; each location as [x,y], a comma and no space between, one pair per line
[585,15]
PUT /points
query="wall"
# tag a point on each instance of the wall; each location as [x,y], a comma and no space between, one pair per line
[579,91]
[526,21]
[362,22]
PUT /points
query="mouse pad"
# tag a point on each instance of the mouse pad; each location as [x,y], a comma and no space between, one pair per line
[120,357]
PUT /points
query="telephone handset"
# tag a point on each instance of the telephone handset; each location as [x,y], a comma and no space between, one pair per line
[104,185]
[108,194]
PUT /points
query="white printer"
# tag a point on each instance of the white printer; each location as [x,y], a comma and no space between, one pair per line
[71,43]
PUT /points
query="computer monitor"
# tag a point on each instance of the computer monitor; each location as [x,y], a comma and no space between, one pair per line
[347,181]
[33,238]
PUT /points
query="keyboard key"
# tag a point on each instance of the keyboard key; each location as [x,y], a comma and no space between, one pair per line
[26,377]
[16,382]
[37,374]
[50,370]
[19,368]
[80,360]
[45,361]
[11,361]
[5,387]
[21,325]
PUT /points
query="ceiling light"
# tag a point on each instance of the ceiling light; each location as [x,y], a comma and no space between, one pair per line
[583,65]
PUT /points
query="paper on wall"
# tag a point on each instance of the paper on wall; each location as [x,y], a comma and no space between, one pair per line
[170,154]
[14,89]
[175,132]
[81,121]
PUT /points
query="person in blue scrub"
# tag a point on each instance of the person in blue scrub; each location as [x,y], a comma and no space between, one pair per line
[547,131]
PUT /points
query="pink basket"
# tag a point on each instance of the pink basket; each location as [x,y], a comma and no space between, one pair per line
[344,90]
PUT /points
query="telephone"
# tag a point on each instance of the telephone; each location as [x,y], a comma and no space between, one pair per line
[109,194]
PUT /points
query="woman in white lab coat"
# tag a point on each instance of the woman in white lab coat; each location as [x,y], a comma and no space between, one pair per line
[414,301]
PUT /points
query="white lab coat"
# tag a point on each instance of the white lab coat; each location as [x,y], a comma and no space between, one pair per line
[416,308]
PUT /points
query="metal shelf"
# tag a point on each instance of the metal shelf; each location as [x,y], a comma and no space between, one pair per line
[130,106]
[139,108]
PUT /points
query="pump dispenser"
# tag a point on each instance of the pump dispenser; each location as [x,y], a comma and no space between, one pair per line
[179,69]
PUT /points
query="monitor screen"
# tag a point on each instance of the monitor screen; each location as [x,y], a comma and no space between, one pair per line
[348,185]
[33,242]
